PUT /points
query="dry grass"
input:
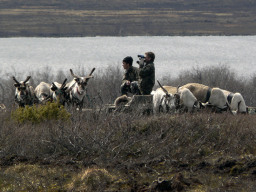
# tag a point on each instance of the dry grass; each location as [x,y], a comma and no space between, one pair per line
[124,151]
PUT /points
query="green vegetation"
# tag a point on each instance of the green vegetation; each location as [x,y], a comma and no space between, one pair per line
[40,113]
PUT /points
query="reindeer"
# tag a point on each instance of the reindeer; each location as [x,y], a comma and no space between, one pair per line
[175,98]
[236,102]
[187,100]
[24,93]
[59,92]
[77,88]
[163,100]
[43,92]
[213,97]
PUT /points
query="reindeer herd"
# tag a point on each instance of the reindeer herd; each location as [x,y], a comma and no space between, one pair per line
[189,97]
[193,96]
[73,92]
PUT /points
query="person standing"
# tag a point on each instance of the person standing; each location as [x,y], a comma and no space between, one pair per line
[147,73]
[130,77]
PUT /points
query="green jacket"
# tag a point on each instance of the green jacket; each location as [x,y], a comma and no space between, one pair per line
[132,74]
[147,78]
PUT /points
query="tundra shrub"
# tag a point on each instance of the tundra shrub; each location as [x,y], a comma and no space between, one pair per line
[39,113]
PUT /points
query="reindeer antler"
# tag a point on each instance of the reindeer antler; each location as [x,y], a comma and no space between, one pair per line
[90,75]
[162,87]
[54,85]
[71,71]
[92,71]
[15,80]
[28,77]
[63,84]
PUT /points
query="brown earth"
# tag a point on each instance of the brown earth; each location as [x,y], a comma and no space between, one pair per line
[212,174]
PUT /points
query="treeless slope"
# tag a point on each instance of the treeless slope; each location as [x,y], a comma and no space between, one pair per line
[116,17]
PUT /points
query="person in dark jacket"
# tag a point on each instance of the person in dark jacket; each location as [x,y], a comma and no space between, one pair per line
[131,76]
[147,73]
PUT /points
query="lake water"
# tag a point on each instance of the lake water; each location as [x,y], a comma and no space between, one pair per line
[174,54]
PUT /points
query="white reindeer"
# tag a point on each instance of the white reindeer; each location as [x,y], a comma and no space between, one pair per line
[187,100]
[184,98]
[208,96]
[236,102]
[43,92]
[163,101]
[77,88]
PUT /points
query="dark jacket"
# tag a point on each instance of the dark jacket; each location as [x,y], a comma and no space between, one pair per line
[147,78]
[132,74]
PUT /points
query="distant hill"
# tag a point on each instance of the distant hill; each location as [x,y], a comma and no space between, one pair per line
[59,18]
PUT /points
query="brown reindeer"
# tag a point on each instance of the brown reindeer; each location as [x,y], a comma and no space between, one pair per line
[24,93]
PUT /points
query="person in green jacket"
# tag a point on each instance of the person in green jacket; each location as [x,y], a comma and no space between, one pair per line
[130,77]
[146,73]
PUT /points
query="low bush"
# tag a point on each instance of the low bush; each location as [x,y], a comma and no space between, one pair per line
[40,113]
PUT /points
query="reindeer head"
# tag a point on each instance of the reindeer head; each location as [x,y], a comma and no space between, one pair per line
[59,92]
[81,82]
[22,92]
[168,101]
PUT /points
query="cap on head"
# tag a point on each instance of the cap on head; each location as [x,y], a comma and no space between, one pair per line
[128,60]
